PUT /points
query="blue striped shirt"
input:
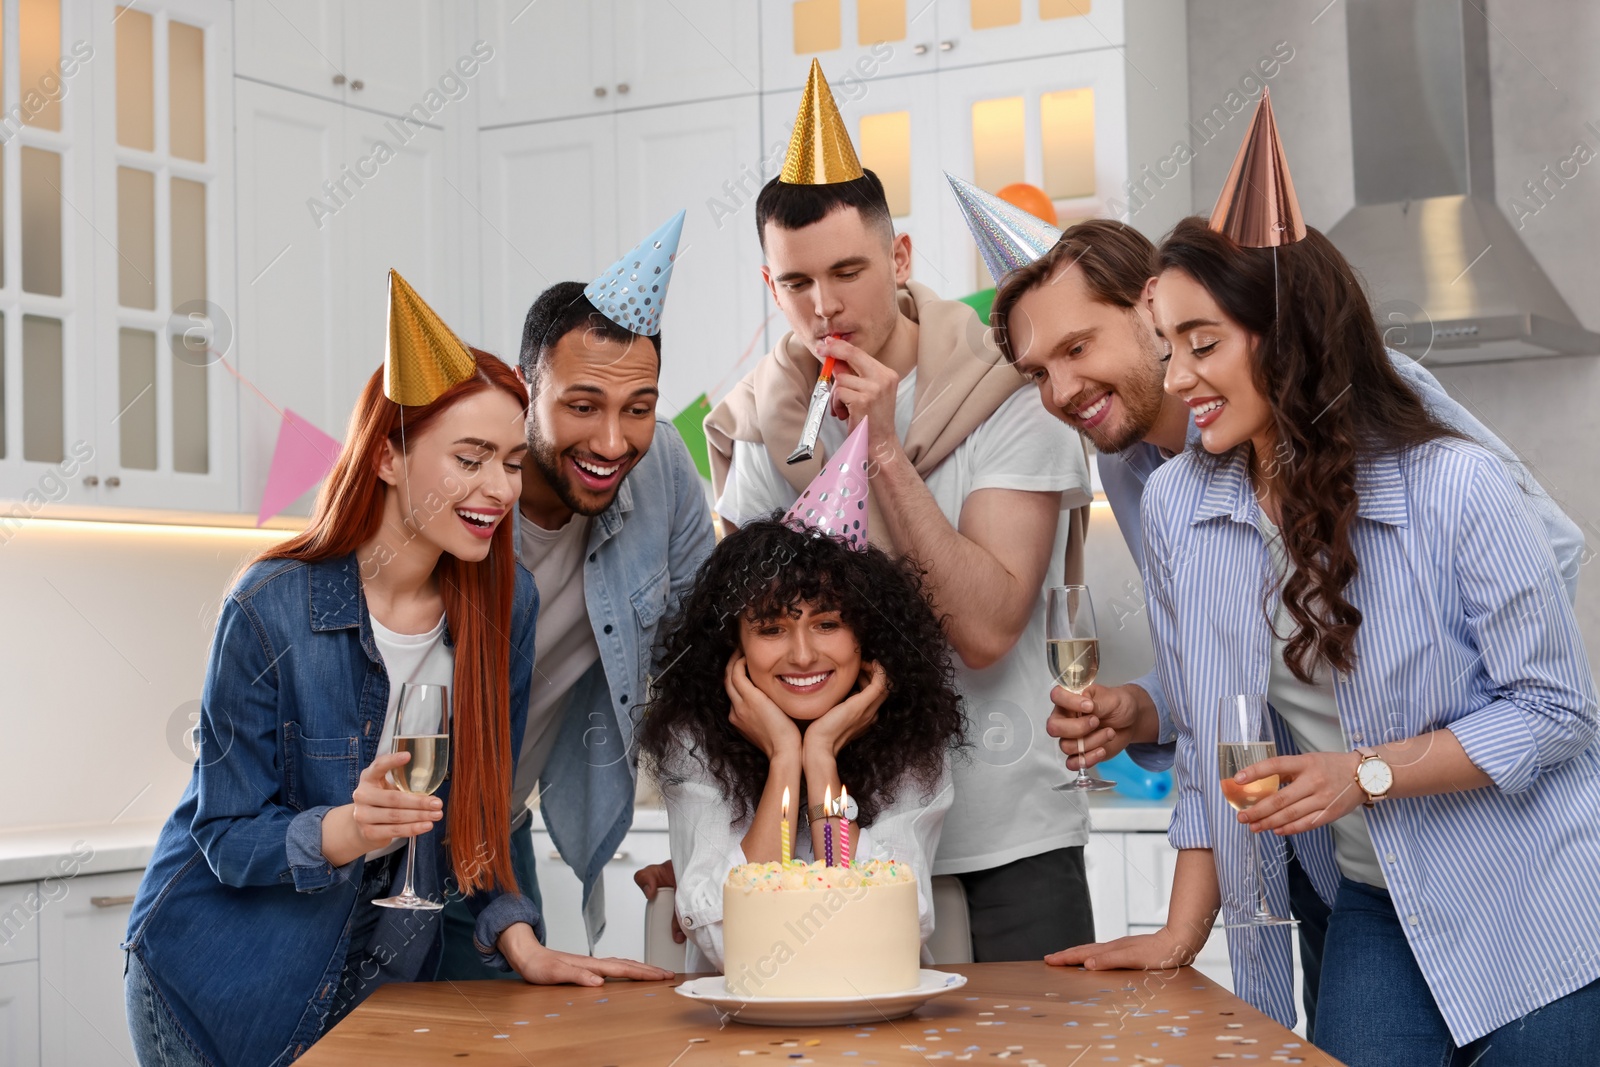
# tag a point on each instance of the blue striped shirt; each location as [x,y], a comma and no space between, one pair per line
[1466,625]
[1123,476]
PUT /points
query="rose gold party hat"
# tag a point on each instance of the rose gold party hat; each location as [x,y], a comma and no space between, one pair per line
[423,358]
[820,152]
[835,503]
[1258,208]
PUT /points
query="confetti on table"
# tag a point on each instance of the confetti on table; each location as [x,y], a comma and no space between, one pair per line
[420,1030]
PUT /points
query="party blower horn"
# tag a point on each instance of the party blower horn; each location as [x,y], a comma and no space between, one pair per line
[835,503]
[820,153]
[1258,208]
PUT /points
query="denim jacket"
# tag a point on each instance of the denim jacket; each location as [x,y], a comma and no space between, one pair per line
[643,553]
[240,921]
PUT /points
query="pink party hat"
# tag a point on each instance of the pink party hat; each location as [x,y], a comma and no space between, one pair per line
[835,503]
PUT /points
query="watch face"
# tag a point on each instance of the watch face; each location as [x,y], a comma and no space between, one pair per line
[1375,776]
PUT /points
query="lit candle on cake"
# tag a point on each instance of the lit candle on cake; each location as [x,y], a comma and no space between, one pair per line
[844,829]
[827,827]
[783,831]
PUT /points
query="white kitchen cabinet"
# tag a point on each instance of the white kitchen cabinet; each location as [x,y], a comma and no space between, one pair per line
[547,214]
[379,54]
[1107,872]
[562,894]
[563,200]
[19,1014]
[714,307]
[330,198]
[81,1016]
[612,57]
[974,32]
[852,39]
[166,408]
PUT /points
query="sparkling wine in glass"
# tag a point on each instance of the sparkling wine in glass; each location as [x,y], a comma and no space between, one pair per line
[422,728]
[1072,647]
[1244,737]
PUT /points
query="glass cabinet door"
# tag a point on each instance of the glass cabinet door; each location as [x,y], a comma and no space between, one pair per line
[46,284]
[860,39]
[166,403]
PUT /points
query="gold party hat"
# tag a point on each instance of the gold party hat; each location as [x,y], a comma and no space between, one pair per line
[820,152]
[423,358]
[1258,208]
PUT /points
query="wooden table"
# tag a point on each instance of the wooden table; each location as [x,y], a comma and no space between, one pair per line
[1022,1013]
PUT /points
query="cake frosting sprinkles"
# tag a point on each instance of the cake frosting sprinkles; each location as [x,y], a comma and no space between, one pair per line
[810,930]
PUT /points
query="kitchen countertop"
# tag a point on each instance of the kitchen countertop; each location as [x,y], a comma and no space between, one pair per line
[43,851]
[40,852]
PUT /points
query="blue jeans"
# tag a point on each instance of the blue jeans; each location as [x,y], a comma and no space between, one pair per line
[1375,1008]
[158,1040]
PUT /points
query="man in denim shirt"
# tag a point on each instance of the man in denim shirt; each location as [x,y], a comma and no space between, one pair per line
[613,523]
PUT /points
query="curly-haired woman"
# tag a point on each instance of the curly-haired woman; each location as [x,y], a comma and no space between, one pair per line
[799,663]
[1386,584]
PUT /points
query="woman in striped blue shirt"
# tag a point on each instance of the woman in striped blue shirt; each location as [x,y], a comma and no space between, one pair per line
[1382,580]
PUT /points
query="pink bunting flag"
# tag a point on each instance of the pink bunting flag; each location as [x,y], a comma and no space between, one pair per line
[302,457]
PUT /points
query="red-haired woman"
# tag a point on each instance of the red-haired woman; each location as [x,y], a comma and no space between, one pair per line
[253,930]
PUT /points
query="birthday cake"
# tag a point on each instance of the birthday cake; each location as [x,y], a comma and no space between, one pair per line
[810,930]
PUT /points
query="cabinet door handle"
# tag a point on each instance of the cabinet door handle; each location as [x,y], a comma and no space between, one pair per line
[622,89]
[111,902]
[358,85]
[919,49]
[338,79]
[91,480]
[599,90]
[945,46]
[113,481]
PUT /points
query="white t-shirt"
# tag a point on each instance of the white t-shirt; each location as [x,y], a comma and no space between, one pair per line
[410,659]
[1005,809]
[563,642]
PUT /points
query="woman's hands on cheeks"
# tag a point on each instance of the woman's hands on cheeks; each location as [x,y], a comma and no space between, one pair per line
[545,966]
[851,717]
[755,715]
[1318,788]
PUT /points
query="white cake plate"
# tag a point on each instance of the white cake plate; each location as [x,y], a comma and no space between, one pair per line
[819,1011]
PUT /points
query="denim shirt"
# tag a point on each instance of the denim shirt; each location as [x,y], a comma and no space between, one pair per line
[240,921]
[643,553]
[1124,475]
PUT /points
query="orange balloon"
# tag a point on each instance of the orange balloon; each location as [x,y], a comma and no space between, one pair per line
[1031,199]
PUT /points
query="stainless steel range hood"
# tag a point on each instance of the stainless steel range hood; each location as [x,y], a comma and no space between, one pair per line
[1448,272]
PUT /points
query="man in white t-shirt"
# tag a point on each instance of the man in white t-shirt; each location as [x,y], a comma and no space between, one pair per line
[613,524]
[971,479]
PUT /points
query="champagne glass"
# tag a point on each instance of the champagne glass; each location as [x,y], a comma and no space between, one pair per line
[1244,737]
[422,728]
[1072,645]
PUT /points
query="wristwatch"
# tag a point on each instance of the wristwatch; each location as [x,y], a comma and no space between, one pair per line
[1374,776]
[850,810]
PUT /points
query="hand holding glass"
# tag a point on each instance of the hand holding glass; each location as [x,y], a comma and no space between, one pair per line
[1072,646]
[422,728]
[1244,737]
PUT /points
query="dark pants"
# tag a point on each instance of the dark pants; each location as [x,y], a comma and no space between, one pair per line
[1030,908]
[461,961]
[1378,1011]
[1305,905]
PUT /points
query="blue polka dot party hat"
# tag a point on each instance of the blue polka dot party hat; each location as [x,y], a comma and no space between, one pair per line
[632,291]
